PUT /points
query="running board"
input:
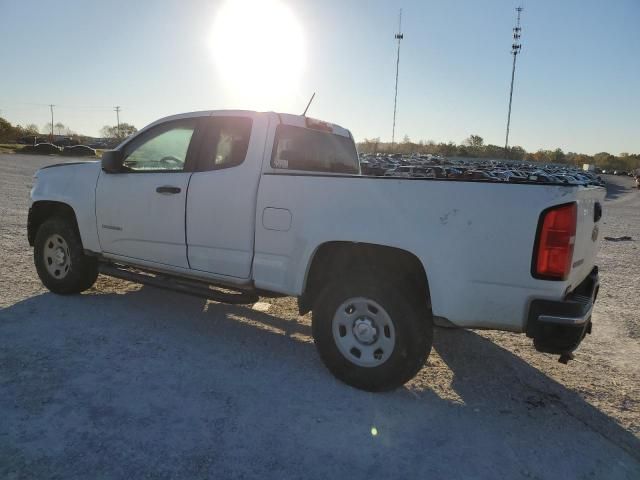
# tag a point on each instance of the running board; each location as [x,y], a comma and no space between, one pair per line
[178,284]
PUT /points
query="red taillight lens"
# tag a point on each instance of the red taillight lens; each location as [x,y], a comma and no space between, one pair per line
[556,237]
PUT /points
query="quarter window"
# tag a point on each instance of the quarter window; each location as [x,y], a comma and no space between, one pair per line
[226,143]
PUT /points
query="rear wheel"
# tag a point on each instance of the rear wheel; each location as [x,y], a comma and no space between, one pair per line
[59,258]
[372,334]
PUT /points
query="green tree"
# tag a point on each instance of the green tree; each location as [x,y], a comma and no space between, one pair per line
[7,131]
[31,129]
[542,156]
[111,131]
[475,141]
[517,153]
[602,158]
[369,145]
[447,149]
[557,156]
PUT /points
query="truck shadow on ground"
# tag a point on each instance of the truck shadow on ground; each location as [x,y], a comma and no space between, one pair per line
[619,188]
[166,350]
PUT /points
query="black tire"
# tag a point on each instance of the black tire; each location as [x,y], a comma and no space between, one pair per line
[82,271]
[411,318]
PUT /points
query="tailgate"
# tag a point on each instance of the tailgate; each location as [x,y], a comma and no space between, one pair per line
[589,219]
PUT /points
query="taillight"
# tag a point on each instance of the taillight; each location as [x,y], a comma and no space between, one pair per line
[553,254]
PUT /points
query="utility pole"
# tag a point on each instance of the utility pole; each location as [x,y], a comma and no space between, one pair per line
[399,36]
[117,110]
[51,107]
[515,50]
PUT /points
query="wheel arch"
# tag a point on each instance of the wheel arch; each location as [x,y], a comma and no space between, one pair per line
[42,210]
[336,258]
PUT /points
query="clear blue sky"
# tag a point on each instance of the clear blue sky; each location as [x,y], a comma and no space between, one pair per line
[577,81]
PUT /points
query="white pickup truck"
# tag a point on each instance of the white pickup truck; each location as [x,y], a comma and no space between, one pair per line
[274,204]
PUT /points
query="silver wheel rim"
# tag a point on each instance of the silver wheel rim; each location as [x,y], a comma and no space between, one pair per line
[363,332]
[57,258]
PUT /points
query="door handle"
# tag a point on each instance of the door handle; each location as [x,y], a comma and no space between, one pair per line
[168,190]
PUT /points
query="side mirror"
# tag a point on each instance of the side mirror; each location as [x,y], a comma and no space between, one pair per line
[112,161]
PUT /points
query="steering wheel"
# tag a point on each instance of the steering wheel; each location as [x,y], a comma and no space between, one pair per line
[170,159]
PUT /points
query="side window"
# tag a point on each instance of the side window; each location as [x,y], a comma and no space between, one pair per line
[165,149]
[298,148]
[226,143]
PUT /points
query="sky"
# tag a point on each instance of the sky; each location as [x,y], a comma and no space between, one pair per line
[577,83]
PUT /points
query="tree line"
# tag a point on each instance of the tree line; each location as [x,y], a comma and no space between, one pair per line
[11,133]
[474,147]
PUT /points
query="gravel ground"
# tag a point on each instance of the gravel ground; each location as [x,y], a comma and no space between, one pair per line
[130,382]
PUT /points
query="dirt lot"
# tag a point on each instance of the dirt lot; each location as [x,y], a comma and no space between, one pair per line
[130,382]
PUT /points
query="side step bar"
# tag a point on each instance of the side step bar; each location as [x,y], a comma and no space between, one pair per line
[178,284]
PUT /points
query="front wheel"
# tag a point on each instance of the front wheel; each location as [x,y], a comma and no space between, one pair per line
[60,260]
[371,333]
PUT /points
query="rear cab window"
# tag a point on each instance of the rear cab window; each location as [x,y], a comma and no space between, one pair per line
[311,150]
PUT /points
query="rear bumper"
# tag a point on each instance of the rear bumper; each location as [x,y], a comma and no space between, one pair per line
[559,326]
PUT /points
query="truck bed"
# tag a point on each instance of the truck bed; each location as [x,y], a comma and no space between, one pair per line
[474,238]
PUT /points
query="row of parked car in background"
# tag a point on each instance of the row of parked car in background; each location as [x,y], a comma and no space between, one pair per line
[618,172]
[50,148]
[62,145]
[434,166]
[64,141]
[421,166]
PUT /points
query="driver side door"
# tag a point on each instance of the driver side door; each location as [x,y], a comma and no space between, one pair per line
[140,211]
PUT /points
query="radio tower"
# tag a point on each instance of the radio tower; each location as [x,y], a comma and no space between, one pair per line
[399,36]
[515,50]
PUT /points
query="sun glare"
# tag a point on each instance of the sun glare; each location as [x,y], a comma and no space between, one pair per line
[258,49]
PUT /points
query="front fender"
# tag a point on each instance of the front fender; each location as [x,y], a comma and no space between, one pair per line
[73,185]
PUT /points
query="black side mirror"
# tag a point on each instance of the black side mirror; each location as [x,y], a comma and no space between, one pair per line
[112,161]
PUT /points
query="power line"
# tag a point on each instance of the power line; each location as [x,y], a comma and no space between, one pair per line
[515,50]
[399,36]
[85,107]
[59,105]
